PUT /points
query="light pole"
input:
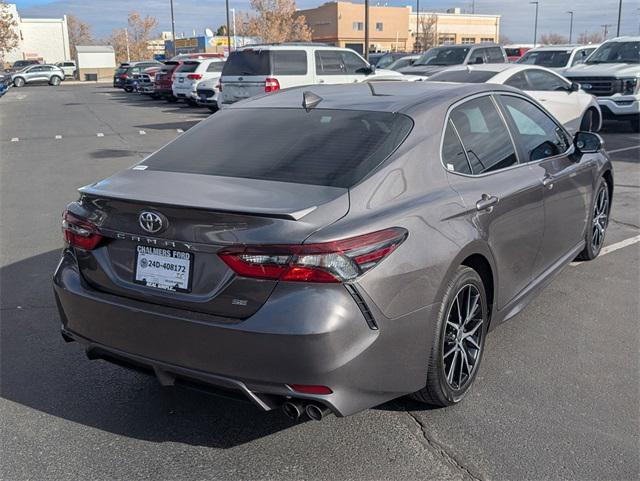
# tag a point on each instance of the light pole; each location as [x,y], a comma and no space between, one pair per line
[535,25]
[619,17]
[173,31]
[228,28]
[416,46]
[366,30]
[570,25]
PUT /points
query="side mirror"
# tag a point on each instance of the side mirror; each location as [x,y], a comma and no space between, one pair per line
[370,70]
[574,87]
[478,60]
[588,142]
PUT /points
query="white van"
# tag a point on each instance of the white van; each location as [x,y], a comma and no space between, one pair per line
[258,69]
[191,73]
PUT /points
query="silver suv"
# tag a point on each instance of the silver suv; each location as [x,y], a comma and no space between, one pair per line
[50,74]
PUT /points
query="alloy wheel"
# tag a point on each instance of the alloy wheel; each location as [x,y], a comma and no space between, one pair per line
[463,337]
[600,218]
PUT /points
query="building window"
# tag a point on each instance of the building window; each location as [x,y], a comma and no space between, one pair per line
[447,39]
[487,40]
[468,40]
[379,26]
[358,25]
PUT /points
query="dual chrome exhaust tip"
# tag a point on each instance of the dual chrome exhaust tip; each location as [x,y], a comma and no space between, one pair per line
[295,408]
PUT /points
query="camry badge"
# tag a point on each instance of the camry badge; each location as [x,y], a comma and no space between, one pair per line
[151,222]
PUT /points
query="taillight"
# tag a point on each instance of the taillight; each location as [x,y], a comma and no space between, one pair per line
[79,232]
[271,84]
[194,76]
[337,261]
[124,76]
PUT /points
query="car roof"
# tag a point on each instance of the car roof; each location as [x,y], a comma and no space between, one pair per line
[295,46]
[372,96]
[497,67]
[567,47]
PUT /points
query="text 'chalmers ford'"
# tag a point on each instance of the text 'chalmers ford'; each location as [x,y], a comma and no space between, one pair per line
[329,248]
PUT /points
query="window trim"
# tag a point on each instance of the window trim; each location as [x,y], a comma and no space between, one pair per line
[496,104]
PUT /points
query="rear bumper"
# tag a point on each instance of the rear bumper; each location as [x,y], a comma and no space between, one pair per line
[316,335]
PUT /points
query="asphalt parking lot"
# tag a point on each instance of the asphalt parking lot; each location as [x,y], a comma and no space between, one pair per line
[557,396]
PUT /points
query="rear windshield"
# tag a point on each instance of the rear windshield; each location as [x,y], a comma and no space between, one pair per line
[473,76]
[546,58]
[188,67]
[335,148]
[121,70]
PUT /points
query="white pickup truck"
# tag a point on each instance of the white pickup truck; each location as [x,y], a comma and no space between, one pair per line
[612,75]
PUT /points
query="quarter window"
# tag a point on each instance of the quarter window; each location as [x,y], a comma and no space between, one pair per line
[453,155]
[540,137]
[484,135]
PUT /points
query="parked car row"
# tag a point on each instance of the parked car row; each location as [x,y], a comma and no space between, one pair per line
[579,85]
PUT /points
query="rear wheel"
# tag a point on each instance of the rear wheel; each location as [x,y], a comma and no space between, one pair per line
[55,81]
[213,108]
[589,121]
[457,348]
[128,89]
[598,222]
[18,82]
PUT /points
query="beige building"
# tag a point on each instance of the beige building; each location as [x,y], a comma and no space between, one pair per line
[44,39]
[342,24]
[95,62]
[452,27]
[394,28]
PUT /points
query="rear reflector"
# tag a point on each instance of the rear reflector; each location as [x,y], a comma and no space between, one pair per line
[337,261]
[79,232]
[271,84]
[310,389]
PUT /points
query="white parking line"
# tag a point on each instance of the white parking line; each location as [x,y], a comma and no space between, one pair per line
[99,134]
[142,132]
[615,151]
[58,137]
[14,139]
[179,131]
[614,247]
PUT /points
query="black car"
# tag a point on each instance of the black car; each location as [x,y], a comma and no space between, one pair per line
[21,64]
[126,71]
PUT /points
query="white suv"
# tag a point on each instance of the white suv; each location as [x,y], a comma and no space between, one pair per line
[258,69]
[612,75]
[191,73]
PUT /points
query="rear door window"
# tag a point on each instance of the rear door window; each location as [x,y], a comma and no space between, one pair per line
[484,135]
[334,148]
[289,62]
[329,62]
[247,63]
[353,64]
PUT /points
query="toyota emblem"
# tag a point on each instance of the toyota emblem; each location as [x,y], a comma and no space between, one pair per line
[151,222]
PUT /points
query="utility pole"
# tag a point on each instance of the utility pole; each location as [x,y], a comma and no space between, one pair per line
[366,30]
[570,12]
[233,21]
[416,45]
[473,7]
[173,31]
[228,28]
[535,25]
[126,40]
[605,29]
[619,17]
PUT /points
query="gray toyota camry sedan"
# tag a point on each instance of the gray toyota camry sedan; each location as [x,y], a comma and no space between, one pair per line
[329,248]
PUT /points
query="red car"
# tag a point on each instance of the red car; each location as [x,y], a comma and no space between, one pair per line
[514,53]
[164,77]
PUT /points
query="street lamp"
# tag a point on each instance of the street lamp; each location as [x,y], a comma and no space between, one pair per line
[535,25]
[173,31]
[570,25]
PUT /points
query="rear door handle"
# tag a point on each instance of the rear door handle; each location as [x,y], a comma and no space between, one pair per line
[486,202]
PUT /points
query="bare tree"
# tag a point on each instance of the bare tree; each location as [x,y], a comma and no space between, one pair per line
[553,39]
[426,35]
[79,33]
[275,21]
[587,38]
[132,43]
[8,31]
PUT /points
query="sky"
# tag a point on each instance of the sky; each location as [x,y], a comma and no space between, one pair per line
[516,22]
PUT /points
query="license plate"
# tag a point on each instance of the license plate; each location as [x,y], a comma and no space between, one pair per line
[181,80]
[163,268]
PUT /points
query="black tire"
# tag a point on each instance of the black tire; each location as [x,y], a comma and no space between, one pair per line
[213,108]
[635,125]
[55,81]
[171,99]
[592,249]
[18,82]
[192,103]
[439,390]
[155,96]
[589,121]
[128,89]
